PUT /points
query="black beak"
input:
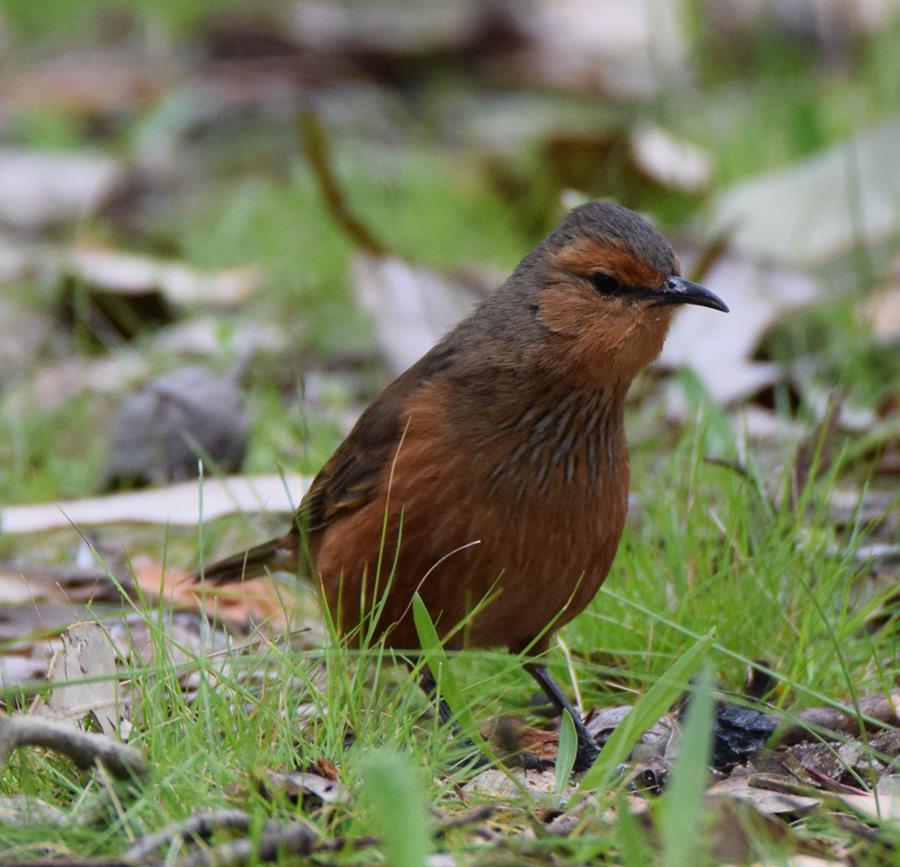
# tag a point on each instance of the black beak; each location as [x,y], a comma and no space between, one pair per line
[677,290]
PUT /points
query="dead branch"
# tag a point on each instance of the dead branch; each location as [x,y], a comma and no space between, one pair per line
[199,825]
[296,838]
[317,151]
[879,708]
[83,748]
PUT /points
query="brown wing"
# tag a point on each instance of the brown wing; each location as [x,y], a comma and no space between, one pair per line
[348,480]
[352,475]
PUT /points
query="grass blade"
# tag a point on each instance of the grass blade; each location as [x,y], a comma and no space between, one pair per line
[631,837]
[436,659]
[654,703]
[683,804]
[565,755]
[397,805]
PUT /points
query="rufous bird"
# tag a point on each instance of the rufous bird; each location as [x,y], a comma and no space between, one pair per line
[492,476]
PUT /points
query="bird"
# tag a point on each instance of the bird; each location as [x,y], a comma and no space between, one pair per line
[492,476]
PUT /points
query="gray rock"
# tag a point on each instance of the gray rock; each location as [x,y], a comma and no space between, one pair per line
[160,432]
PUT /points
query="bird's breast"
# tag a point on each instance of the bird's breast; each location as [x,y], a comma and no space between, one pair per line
[520,504]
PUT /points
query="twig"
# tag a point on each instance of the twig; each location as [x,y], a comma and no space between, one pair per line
[200,825]
[83,748]
[296,838]
[479,814]
[714,250]
[317,151]
[880,708]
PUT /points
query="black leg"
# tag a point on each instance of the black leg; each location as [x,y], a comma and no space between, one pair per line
[528,761]
[587,746]
[429,687]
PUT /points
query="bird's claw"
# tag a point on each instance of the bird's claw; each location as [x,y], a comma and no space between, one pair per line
[531,762]
[585,757]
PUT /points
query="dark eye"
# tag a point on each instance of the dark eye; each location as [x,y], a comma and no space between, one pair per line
[605,284]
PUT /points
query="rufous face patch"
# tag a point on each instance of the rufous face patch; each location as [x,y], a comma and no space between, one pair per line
[584,257]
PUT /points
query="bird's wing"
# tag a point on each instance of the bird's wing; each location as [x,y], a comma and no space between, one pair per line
[352,475]
[347,481]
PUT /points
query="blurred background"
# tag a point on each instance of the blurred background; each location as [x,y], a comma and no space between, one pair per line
[224,226]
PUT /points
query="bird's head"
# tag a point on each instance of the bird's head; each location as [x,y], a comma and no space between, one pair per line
[607,283]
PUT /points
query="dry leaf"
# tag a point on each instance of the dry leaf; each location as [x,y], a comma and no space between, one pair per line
[128,274]
[245,604]
[736,829]
[628,51]
[303,786]
[184,504]
[87,654]
[44,188]
[764,800]
[720,348]
[497,783]
[820,208]
[674,163]
[883,803]
[413,306]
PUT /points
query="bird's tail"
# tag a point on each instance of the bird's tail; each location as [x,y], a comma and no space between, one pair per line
[271,556]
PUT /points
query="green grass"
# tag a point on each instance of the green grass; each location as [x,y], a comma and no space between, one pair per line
[699,559]
[704,552]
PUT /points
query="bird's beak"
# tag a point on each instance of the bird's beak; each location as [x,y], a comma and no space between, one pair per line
[677,290]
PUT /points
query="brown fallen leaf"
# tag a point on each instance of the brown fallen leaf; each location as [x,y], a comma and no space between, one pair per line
[736,829]
[509,783]
[246,604]
[879,707]
[305,787]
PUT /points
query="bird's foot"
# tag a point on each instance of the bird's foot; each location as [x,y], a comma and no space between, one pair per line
[478,761]
[532,762]
[585,756]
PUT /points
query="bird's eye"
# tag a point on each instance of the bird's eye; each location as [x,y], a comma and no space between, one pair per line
[606,284]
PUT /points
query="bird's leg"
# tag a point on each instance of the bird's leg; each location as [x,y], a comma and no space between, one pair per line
[587,746]
[528,761]
[429,687]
